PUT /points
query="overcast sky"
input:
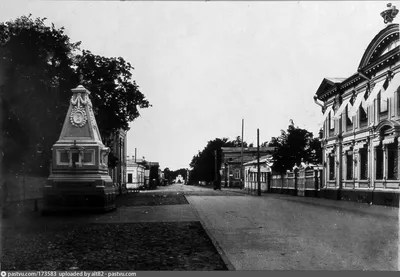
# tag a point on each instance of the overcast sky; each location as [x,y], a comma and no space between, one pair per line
[206,65]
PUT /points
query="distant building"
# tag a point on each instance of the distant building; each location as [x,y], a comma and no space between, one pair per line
[179,179]
[135,173]
[152,174]
[251,173]
[118,148]
[361,124]
[231,167]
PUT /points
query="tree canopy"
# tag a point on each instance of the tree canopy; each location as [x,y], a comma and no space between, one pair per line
[40,65]
[115,96]
[293,146]
[203,164]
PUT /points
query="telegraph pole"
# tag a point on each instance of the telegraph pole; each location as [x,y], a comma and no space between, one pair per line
[258,163]
[241,167]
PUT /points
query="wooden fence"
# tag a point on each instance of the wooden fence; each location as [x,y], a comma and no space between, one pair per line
[302,183]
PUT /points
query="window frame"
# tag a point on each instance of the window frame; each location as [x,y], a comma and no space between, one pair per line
[392,168]
[349,165]
[331,167]
[379,163]
[363,153]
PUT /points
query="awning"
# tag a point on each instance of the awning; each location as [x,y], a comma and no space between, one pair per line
[342,107]
[360,100]
[389,140]
[327,112]
[378,87]
[393,86]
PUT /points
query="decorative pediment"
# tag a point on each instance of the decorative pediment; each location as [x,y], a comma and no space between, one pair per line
[328,84]
[382,52]
[383,42]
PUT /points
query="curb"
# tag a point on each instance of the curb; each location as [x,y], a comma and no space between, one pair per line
[214,241]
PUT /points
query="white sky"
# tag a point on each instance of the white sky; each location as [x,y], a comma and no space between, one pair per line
[206,65]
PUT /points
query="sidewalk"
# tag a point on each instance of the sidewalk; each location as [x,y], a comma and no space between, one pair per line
[361,208]
[155,236]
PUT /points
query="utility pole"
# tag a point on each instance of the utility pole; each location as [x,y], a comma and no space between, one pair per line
[258,163]
[216,171]
[241,167]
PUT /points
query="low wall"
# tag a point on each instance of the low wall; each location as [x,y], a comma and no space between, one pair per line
[308,183]
[24,188]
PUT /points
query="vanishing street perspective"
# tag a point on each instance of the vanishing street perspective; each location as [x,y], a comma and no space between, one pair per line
[199,136]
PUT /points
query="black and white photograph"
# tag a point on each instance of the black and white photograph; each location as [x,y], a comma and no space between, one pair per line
[201,136]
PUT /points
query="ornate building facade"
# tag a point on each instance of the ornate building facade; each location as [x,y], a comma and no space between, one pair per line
[361,124]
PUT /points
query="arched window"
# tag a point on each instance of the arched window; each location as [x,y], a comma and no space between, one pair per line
[390,47]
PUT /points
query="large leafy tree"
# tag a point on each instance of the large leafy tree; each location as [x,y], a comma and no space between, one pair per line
[116,97]
[167,174]
[39,66]
[293,146]
[203,164]
[36,76]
